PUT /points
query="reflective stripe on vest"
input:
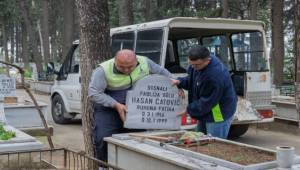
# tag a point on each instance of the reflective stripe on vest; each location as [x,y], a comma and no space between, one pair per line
[123,81]
[217,114]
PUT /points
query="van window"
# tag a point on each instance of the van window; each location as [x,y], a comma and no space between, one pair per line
[184,47]
[122,41]
[66,66]
[149,44]
[75,61]
[248,51]
[219,47]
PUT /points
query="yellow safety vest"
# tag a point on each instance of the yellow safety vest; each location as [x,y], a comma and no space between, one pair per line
[117,81]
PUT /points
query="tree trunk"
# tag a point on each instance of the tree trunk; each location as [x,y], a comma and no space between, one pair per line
[45,31]
[5,41]
[253,9]
[18,40]
[162,5]
[150,10]
[39,31]
[94,48]
[277,41]
[56,51]
[182,7]
[25,49]
[147,10]
[68,30]
[225,8]
[32,36]
[253,41]
[12,42]
[56,29]
[297,56]
[76,24]
[125,12]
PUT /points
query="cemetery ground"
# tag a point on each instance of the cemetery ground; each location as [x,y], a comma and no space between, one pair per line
[269,136]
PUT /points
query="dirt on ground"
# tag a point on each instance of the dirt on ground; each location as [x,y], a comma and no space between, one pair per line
[234,153]
[228,151]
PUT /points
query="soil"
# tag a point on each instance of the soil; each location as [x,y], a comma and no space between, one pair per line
[231,152]
[234,153]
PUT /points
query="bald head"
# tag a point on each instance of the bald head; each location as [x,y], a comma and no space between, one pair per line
[125,61]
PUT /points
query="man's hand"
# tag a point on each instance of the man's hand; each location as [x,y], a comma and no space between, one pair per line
[122,110]
[181,93]
[175,82]
[182,113]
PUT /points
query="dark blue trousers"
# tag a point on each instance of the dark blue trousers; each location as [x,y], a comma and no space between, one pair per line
[107,122]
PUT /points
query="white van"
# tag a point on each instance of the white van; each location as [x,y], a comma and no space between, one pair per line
[240,44]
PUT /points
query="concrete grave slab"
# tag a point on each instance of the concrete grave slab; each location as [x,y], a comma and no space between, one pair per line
[21,142]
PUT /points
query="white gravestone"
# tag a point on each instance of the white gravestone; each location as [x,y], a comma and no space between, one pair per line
[2,115]
[7,87]
[153,104]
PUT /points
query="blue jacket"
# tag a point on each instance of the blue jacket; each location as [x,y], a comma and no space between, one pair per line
[207,88]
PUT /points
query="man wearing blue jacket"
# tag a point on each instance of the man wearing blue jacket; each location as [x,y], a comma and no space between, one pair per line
[211,95]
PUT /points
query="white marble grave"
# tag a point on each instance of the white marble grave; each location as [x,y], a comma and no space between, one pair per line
[21,142]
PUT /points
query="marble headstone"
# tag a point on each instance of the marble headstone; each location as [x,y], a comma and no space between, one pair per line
[7,87]
[153,103]
[2,115]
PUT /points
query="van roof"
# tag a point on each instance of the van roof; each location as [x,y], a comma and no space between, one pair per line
[192,22]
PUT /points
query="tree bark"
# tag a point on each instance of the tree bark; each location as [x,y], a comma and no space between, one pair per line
[5,41]
[225,9]
[32,36]
[277,41]
[182,7]
[125,12]
[94,48]
[45,30]
[76,24]
[68,30]
[56,29]
[297,56]
[253,9]
[253,42]
[12,42]
[18,40]
[150,10]
[25,50]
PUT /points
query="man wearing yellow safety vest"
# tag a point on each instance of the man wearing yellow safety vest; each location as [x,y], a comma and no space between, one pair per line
[212,98]
[108,88]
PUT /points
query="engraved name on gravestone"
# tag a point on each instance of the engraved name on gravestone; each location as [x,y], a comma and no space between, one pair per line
[153,104]
[7,86]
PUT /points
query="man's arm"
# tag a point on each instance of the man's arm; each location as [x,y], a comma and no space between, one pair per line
[184,81]
[212,94]
[97,87]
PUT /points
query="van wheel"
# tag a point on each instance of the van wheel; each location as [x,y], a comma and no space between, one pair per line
[58,110]
[237,130]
